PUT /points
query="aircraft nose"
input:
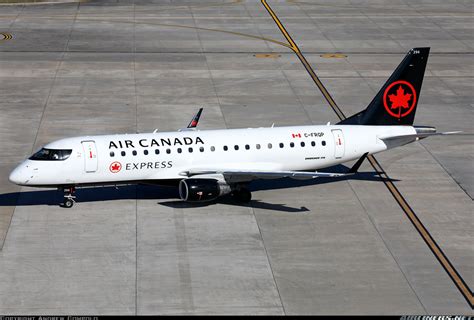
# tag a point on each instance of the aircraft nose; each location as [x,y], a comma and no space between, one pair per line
[17,176]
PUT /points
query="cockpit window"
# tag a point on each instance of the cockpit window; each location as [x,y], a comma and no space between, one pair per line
[51,155]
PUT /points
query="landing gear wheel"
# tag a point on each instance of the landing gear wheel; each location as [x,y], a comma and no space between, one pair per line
[68,203]
[69,197]
[243,195]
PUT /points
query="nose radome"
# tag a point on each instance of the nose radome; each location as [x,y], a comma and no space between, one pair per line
[16,176]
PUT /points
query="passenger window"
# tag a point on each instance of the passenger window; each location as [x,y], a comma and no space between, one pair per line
[247,147]
[180,150]
[157,151]
[201,149]
[145,152]
[302,144]
[112,154]
[269,146]
[134,152]
[225,148]
[323,143]
[292,144]
[313,144]
[236,147]
[123,153]
[168,151]
[190,150]
[213,148]
[281,145]
[257,146]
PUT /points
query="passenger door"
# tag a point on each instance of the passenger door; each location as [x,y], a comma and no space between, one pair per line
[90,156]
[338,143]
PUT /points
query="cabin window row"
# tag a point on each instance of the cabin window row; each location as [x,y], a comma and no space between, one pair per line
[225,148]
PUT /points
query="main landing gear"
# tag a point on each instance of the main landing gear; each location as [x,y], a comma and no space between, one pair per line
[69,197]
[242,195]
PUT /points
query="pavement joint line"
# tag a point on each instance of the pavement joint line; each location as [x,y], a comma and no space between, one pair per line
[210,74]
[19,3]
[422,230]
[255,27]
[427,17]
[4,239]
[136,250]
[434,247]
[36,3]
[184,272]
[244,52]
[252,208]
[442,79]
[168,25]
[387,247]
[377,230]
[446,170]
[189,7]
[53,81]
[402,11]
[268,259]
[302,105]
[134,62]
[318,27]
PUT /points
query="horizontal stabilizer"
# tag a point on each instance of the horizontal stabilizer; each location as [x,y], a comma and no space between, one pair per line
[395,141]
[420,135]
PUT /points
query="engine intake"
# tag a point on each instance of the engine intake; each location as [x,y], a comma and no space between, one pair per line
[200,190]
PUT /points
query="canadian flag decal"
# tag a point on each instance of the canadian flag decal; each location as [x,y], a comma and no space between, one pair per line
[296,135]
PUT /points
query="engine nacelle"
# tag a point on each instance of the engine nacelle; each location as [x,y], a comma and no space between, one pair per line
[200,190]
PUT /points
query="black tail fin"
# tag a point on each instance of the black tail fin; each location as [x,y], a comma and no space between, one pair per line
[395,103]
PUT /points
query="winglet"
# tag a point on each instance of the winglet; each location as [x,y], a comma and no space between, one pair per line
[195,120]
[357,165]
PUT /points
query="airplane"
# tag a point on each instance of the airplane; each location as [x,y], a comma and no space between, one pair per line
[207,164]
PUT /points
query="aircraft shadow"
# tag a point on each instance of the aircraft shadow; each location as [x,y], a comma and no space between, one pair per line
[87,194]
[228,200]
[132,192]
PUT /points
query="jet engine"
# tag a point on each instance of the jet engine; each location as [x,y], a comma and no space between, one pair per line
[200,190]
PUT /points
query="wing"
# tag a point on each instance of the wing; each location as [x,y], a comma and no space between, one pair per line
[244,175]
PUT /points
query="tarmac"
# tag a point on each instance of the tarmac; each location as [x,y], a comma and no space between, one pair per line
[342,246]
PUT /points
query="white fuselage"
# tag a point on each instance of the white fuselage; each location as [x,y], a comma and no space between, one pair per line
[99,159]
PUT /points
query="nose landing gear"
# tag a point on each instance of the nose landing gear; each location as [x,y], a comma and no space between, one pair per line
[69,197]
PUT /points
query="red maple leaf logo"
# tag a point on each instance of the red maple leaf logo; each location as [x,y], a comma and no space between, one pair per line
[115,167]
[400,100]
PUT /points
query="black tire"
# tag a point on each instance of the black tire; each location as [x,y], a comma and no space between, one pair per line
[243,195]
[68,203]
